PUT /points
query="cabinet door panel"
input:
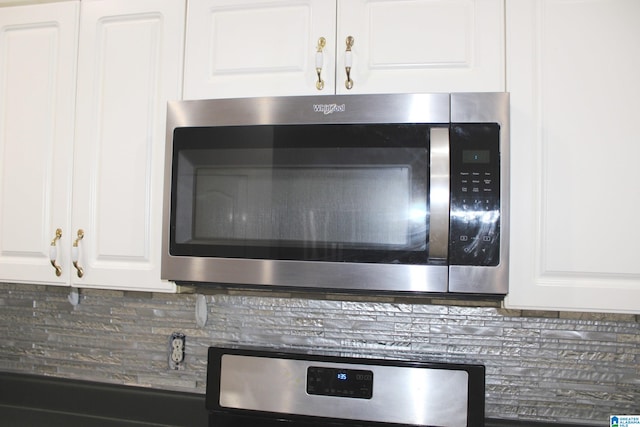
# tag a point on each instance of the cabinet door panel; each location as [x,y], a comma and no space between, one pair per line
[422,46]
[257,47]
[129,66]
[572,74]
[37,83]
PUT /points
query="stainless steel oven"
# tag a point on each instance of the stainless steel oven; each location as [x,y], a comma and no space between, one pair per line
[374,193]
[271,388]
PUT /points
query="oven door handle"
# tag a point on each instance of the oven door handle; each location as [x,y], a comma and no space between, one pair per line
[439,195]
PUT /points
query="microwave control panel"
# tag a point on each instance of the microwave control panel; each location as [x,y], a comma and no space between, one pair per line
[475,194]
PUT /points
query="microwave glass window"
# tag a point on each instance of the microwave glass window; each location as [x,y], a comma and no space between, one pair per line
[349,193]
[297,205]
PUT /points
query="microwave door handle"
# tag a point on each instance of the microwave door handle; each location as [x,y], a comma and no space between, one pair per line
[439,183]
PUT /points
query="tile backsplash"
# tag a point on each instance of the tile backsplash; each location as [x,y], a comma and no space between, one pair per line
[544,366]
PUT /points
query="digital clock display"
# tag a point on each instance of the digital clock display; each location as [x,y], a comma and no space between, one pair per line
[355,383]
[476,156]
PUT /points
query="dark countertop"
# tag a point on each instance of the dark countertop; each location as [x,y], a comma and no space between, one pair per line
[32,400]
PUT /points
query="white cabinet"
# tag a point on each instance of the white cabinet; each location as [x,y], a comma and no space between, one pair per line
[572,70]
[128,65]
[256,48]
[37,86]
[270,48]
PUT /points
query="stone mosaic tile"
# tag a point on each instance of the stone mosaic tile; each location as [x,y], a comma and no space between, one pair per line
[542,366]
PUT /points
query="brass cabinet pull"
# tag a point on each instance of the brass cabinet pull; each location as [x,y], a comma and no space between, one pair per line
[75,255]
[348,62]
[53,252]
[319,62]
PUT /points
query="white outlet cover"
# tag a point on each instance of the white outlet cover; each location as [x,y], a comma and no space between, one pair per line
[74,297]
[201,310]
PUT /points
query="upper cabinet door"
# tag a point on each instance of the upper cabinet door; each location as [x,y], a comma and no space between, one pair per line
[258,48]
[420,46]
[572,70]
[129,65]
[37,87]
[270,48]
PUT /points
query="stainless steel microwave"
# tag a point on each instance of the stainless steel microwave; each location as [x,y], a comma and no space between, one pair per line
[402,193]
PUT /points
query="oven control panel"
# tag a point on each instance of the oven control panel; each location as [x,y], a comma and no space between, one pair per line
[326,381]
[265,387]
[475,194]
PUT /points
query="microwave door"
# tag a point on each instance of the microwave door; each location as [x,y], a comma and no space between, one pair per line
[344,206]
[348,193]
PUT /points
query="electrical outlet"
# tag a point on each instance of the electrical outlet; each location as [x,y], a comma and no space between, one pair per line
[177,350]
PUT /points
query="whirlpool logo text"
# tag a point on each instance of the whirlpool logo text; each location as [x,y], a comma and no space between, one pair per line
[329,108]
